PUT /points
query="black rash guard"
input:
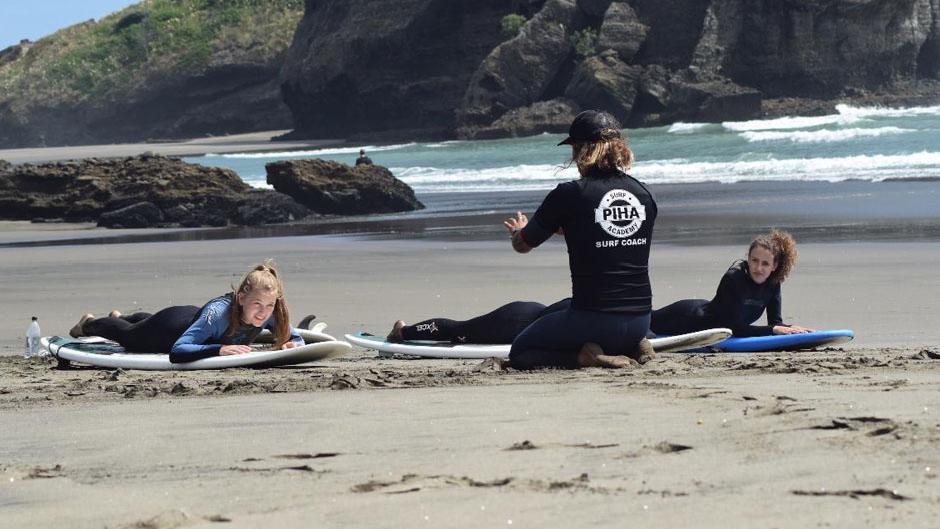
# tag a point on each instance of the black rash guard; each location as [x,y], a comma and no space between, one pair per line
[607,220]
[737,304]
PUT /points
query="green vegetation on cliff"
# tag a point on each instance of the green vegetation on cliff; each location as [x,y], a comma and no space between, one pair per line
[153,40]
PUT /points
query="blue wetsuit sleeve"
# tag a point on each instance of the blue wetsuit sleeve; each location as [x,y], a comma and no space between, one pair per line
[547,219]
[295,337]
[203,338]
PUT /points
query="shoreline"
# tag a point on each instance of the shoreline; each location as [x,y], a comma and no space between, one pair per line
[260,141]
[690,214]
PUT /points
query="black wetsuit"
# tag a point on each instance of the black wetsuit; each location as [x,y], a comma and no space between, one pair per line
[607,220]
[737,304]
[500,326]
[144,332]
[185,332]
[363,160]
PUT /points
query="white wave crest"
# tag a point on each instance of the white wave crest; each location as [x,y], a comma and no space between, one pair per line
[873,168]
[788,123]
[315,152]
[518,177]
[680,127]
[887,112]
[821,136]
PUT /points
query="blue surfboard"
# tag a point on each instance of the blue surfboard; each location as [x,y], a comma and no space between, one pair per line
[783,342]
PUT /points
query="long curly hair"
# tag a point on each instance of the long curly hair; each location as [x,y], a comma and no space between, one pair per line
[263,277]
[610,152]
[783,247]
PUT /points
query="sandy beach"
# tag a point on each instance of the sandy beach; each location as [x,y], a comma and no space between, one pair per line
[840,437]
[248,142]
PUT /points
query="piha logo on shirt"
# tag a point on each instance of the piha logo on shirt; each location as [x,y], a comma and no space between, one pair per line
[620,213]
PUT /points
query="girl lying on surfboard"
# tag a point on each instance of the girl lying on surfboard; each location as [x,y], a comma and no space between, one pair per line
[225,325]
[500,326]
[746,290]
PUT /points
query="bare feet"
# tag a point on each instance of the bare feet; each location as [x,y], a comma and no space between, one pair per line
[591,355]
[395,335]
[644,352]
[114,314]
[76,330]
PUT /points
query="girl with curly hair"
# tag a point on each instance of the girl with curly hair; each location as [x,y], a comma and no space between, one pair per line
[747,289]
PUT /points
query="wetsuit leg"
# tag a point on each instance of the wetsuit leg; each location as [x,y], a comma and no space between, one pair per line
[681,317]
[557,306]
[155,334]
[136,317]
[555,339]
[500,326]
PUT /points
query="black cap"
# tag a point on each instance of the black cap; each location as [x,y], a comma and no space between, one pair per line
[587,126]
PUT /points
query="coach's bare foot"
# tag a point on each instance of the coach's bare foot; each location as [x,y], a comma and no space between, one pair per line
[76,331]
[591,355]
[395,335]
[644,352]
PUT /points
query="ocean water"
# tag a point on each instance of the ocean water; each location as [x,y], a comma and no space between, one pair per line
[865,144]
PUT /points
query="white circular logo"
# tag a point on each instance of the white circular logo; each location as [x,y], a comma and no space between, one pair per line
[620,213]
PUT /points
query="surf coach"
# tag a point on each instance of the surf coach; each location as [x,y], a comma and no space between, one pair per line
[607,219]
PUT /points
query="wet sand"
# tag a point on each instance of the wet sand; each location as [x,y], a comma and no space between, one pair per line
[844,437]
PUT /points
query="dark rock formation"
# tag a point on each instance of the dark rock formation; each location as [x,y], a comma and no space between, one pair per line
[594,8]
[365,66]
[139,215]
[622,31]
[605,82]
[817,48]
[554,116]
[331,187]
[711,101]
[138,192]
[260,206]
[521,71]
[675,27]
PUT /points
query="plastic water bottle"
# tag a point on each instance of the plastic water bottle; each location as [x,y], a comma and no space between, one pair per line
[32,338]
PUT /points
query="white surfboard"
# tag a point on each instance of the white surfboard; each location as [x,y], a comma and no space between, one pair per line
[100,352]
[667,344]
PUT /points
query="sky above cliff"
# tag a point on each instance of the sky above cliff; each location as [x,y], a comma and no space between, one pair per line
[34,19]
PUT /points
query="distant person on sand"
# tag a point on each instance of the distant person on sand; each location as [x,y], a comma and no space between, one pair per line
[745,291]
[363,159]
[225,325]
[607,219]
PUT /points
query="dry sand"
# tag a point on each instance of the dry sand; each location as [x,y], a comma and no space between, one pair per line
[844,437]
[248,142]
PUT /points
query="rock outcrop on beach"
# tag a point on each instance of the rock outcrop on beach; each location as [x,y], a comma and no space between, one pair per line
[649,62]
[138,192]
[326,186]
[154,70]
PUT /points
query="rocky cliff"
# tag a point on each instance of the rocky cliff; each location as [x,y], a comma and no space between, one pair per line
[368,67]
[421,69]
[154,70]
